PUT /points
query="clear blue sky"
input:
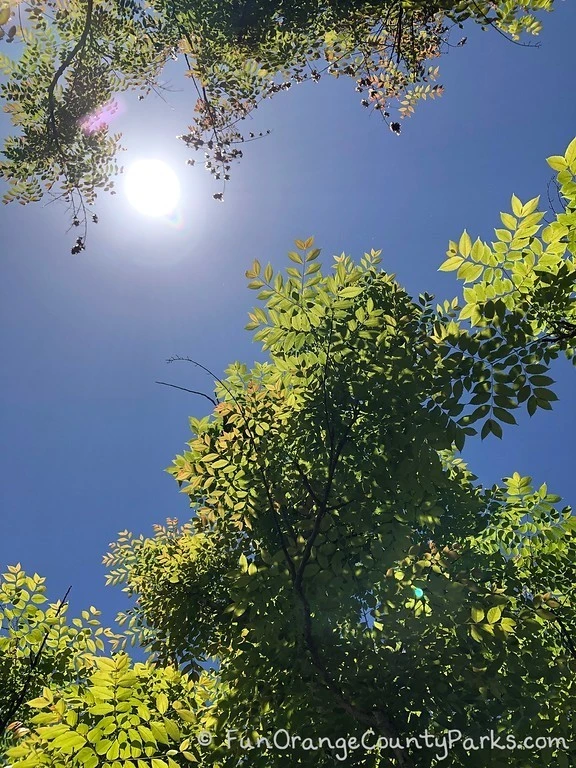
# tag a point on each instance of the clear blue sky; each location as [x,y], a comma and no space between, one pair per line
[85,431]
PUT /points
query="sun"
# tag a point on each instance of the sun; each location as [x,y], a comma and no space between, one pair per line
[152,187]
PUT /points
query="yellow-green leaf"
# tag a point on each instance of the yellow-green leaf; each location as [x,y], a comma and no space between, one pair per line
[516,206]
[162,703]
[350,292]
[508,221]
[494,614]
[451,264]
[465,244]
[557,163]
[477,613]
[187,716]
[530,206]
[159,732]
[38,703]
[476,634]
[571,152]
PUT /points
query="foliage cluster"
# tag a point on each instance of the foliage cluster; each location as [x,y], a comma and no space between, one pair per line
[37,644]
[75,56]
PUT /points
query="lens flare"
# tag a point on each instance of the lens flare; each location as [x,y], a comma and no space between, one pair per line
[100,118]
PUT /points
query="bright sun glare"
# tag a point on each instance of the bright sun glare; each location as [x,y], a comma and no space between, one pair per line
[152,187]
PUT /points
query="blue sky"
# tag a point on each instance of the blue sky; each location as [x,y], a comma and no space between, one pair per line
[86,433]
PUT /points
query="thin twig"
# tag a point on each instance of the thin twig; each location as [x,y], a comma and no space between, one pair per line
[192,391]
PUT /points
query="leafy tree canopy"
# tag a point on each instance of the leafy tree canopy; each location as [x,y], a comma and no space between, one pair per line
[344,572]
[74,56]
[37,645]
[526,277]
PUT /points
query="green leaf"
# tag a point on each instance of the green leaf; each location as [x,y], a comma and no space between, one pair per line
[172,729]
[507,624]
[114,751]
[451,264]
[101,709]
[516,206]
[465,244]
[473,273]
[38,703]
[187,716]
[490,427]
[476,634]
[313,254]
[570,153]
[159,732]
[477,252]
[530,206]
[545,394]
[541,381]
[557,162]
[477,613]
[350,292]
[545,614]
[503,235]
[86,756]
[162,703]
[504,415]
[509,221]
[494,614]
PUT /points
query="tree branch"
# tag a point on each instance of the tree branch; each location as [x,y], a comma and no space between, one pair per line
[372,718]
[192,391]
[64,66]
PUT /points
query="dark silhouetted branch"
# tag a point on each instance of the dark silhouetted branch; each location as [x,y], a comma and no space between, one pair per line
[192,391]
